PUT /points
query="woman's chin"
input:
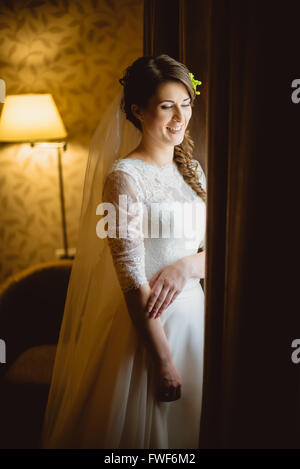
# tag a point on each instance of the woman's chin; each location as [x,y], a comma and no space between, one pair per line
[175,139]
[178,140]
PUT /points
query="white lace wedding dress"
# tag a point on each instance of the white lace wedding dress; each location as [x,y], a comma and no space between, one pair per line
[120,409]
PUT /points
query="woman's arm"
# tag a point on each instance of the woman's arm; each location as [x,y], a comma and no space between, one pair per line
[154,339]
[169,281]
[152,331]
[126,242]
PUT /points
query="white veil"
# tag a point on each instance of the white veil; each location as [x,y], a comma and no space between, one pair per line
[94,293]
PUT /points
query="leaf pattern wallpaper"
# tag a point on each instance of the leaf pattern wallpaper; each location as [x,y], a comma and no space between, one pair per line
[77,51]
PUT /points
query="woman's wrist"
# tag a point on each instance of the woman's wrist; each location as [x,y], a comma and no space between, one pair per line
[194,265]
[162,360]
[186,266]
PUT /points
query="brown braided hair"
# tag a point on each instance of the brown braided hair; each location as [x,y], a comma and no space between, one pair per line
[140,82]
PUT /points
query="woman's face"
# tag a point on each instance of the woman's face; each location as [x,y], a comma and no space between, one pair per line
[167,115]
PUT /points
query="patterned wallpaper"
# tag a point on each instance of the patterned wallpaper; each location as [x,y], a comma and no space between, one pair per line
[77,51]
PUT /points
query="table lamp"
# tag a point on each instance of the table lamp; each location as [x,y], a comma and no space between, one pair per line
[32,118]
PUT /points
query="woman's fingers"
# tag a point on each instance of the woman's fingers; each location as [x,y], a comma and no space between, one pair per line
[168,385]
[172,297]
[178,392]
[152,300]
[165,303]
[170,393]
[154,278]
[157,301]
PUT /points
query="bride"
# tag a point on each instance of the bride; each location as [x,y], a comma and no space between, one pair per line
[129,362]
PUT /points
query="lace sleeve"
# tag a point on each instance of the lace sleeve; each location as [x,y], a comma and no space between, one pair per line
[125,234]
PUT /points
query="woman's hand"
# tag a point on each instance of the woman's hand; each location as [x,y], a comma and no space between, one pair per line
[168,382]
[166,285]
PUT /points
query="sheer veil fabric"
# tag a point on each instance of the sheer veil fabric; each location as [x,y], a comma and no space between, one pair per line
[84,334]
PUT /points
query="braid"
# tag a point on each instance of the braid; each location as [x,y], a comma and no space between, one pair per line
[183,156]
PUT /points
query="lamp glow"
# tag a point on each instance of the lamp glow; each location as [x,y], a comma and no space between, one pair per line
[31,118]
[35,118]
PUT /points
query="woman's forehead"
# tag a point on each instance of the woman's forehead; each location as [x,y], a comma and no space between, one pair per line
[171,90]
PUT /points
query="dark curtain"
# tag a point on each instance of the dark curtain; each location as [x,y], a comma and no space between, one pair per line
[248,136]
[252,386]
[177,28]
[161,27]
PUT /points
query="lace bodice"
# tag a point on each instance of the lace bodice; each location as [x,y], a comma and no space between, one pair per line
[165,219]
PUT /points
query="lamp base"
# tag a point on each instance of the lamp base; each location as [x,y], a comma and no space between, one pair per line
[61,253]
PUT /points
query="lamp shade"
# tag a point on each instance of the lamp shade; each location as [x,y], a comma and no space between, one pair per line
[31,118]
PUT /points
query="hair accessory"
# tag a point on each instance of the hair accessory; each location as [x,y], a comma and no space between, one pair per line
[195,83]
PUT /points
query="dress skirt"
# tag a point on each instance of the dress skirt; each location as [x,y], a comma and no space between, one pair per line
[122,410]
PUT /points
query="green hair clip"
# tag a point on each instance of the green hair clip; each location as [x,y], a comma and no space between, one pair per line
[195,83]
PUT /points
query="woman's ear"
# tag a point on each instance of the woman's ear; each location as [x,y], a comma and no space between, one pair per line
[136,112]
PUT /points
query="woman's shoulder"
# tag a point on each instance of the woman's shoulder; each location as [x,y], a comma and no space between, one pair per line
[123,164]
[123,176]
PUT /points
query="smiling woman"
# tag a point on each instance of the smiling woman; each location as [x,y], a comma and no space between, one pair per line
[128,370]
[160,122]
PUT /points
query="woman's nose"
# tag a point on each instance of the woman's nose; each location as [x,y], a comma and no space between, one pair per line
[178,113]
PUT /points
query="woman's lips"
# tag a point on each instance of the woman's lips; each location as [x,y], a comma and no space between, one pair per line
[175,130]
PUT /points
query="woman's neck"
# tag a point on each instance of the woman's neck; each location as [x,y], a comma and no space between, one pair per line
[158,155]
